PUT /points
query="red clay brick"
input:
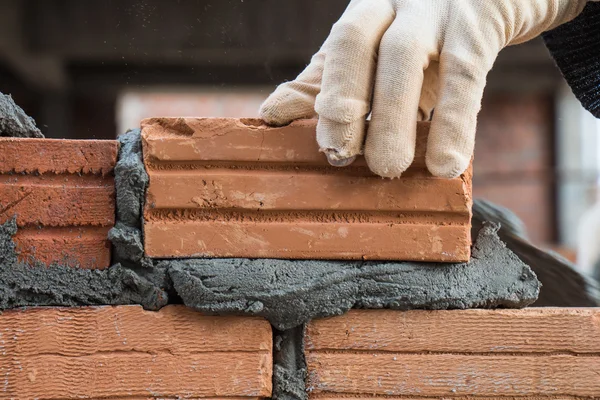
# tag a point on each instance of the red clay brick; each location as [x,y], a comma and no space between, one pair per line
[526,354]
[103,353]
[76,246]
[237,188]
[62,193]
[97,157]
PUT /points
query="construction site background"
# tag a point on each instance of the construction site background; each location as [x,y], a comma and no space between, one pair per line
[94,68]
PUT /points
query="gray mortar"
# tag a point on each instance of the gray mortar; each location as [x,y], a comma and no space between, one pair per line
[14,122]
[131,179]
[8,255]
[27,285]
[291,293]
[289,365]
[562,286]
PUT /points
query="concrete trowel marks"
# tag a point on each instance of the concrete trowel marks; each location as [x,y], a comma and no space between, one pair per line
[237,188]
[62,194]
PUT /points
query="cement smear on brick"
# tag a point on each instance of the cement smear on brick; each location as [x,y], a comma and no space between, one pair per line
[14,122]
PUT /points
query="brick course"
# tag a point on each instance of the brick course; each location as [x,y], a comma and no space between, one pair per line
[129,353]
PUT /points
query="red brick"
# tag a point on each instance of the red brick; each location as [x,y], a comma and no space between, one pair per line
[102,353]
[526,354]
[62,193]
[97,157]
[237,188]
[74,246]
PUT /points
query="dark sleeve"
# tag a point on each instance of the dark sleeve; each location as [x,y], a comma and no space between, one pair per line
[576,48]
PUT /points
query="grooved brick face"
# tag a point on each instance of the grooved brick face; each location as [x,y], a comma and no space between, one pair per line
[62,194]
[129,353]
[506,354]
[237,188]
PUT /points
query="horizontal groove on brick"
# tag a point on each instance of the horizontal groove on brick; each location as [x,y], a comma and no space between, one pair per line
[522,354]
[237,188]
[305,216]
[200,398]
[62,194]
[226,167]
[57,352]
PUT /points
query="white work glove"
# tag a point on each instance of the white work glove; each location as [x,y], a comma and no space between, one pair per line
[399,59]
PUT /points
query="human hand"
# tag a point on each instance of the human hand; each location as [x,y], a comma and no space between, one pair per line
[398,59]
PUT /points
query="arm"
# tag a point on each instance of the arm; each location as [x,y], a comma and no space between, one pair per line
[576,48]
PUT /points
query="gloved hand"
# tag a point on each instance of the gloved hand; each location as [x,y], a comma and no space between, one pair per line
[399,59]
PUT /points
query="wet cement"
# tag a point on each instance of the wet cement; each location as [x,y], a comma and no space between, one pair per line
[34,284]
[131,179]
[289,365]
[562,285]
[14,122]
[291,293]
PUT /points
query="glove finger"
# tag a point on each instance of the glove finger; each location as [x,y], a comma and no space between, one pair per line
[345,97]
[391,140]
[452,136]
[295,99]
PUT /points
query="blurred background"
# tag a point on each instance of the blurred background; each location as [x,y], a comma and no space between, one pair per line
[94,68]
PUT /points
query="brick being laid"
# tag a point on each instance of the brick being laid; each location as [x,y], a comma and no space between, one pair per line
[526,354]
[128,353]
[63,197]
[238,188]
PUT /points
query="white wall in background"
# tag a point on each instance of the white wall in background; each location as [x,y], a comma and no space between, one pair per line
[578,159]
[135,105]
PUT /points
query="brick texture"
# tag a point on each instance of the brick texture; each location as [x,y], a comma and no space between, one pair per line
[237,188]
[128,353]
[532,353]
[62,194]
